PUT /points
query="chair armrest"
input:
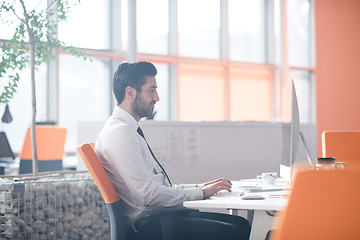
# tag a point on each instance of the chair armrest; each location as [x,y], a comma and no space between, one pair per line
[169,210]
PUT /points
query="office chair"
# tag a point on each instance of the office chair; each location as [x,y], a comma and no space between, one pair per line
[50,144]
[323,204]
[343,145]
[166,217]
[6,154]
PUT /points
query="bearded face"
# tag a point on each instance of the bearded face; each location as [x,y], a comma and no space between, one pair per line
[145,101]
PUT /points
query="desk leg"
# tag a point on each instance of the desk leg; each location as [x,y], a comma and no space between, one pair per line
[261,223]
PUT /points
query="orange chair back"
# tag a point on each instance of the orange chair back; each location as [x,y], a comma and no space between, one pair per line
[98,173]
[323,204]
[50,143]
[343,145]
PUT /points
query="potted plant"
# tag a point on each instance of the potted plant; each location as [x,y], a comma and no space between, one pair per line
[33,43]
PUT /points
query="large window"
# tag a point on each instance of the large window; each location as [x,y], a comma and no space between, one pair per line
[299,33]
[84,86]
[87,25]
[216,59]
[84,93]
[301,56]
[162,108]
[153,26]
[7,30]
[199,25]
[247,30]
[8,19]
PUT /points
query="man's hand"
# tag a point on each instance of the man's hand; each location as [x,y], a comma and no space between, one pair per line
[210,188]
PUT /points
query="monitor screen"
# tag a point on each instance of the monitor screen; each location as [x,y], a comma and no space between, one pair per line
[290,129]
[6,154]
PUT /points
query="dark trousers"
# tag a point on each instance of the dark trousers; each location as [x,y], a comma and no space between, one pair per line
[200,225]
[207,225]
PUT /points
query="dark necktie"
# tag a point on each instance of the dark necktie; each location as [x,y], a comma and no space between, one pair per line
[163,170]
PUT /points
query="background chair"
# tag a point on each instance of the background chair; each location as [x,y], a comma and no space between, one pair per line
[323,204]
[7,156]
[166,217]
[50,142]
[343,145]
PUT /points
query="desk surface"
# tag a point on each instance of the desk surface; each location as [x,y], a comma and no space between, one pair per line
[275,200]
[238,203]
[260,220]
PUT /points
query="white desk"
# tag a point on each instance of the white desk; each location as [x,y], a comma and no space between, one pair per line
[260,212]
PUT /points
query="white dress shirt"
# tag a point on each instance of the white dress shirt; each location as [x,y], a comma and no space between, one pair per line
[131,168]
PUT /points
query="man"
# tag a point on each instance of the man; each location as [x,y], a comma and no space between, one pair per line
[126,156]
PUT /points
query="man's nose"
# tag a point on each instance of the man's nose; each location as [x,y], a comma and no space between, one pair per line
[156,97]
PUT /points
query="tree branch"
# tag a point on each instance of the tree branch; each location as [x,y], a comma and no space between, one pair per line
[13,10]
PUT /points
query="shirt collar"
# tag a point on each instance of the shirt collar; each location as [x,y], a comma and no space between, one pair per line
[126,117]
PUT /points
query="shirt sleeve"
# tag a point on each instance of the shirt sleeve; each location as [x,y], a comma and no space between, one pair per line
[185,185]
[125,155]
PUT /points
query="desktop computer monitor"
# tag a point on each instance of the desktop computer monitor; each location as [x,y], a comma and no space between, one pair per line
[290,129]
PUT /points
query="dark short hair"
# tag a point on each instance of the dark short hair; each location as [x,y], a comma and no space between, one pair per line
[133,75]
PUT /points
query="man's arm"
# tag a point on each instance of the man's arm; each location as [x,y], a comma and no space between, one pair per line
[127,162]
[210,188]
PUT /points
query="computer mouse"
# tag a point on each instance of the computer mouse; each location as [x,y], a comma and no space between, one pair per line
[253,197]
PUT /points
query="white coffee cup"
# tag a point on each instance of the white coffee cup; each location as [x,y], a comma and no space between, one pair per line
[268,178]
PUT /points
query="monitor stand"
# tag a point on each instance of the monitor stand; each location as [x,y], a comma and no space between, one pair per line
[307,151]
[286,172]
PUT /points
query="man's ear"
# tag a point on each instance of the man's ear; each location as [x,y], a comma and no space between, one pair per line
[130,93]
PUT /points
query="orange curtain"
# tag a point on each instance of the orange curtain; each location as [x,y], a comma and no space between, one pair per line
[250,94]
[201,95]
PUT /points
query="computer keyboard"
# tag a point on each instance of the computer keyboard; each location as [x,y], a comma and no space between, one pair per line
[233,193]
